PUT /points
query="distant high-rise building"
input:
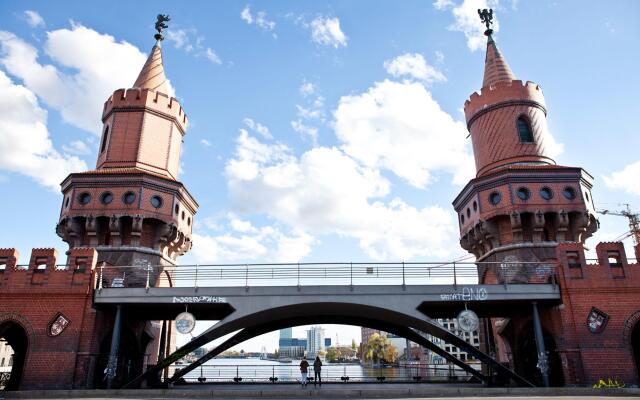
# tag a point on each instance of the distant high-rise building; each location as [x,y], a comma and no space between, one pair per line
[315,340]
[286,333]
[452,325]
[290,347]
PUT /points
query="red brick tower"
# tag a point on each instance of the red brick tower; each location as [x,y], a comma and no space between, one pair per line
[132,207]
[520,204]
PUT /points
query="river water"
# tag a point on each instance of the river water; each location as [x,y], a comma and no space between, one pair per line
[257,370]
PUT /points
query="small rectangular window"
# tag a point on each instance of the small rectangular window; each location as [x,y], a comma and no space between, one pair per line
[615,264]
[41,264]
[573,259]
[524,131]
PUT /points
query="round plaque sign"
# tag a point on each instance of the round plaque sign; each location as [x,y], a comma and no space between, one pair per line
[468,321]
[185,322]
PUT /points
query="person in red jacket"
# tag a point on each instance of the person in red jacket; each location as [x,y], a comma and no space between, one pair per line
[304,368]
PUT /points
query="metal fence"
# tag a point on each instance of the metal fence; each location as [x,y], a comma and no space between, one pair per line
[306,274]
[4,379]
[329,373]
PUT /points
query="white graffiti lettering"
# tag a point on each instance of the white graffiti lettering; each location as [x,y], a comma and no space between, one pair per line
[199,299]
[467,294]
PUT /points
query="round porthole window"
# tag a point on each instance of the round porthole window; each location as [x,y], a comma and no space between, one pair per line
[156,201]
[84,198]
[106,198]
[461,218]
[66,203]
[183,215]
[475,206]
[128,198]
[495,197]
[586,196]
[523,193]
[177,209]
[569,193]
[468,213]
[546,193]
[189,221]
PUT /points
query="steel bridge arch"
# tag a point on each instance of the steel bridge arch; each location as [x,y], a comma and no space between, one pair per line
[253,320]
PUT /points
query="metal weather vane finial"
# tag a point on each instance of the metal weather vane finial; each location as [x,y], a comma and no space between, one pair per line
[160,25]
[486,16]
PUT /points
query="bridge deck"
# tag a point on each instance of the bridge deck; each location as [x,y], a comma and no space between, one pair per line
[214,303]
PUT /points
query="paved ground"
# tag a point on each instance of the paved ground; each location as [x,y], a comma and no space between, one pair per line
[410,398]
[333,391]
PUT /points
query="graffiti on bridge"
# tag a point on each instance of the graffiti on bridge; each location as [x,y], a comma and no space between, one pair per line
[199,299]
[467,294]
[608,384]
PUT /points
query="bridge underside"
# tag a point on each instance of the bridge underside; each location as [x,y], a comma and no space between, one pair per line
[402,310]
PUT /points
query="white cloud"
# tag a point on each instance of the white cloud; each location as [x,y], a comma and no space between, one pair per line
[467,21]
[315,112]
[245,15]
[188,40]
[439,56]
[260,19]
[443,4]
[307,89]
[33,18]
[180,38]
[324,191]
[258,128]
[77,147]
[24,140]
[306,130]
[326,31]
[96,64]
[205,142]
[244,242]
[212,56]
[627,179]
[414,66]
[400,127]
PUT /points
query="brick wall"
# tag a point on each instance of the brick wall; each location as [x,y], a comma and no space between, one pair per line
[33,296]
[614,289]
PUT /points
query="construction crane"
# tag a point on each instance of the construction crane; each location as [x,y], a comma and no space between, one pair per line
[634,222]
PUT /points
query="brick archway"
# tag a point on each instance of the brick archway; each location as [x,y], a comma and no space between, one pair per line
[23,322]
[630,332]
[17,331]
[629,324]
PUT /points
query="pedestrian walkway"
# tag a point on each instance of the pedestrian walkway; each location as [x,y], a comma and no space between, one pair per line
[331,391]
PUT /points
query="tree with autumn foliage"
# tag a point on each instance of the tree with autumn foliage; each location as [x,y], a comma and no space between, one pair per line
[380,349]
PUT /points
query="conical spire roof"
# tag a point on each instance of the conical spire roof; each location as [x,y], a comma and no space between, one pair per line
[496,68]
[152,75]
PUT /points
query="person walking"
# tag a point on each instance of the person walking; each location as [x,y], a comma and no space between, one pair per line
[317,368]
[304,368]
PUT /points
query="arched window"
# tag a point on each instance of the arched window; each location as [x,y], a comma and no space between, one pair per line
[524,131]
[104,139]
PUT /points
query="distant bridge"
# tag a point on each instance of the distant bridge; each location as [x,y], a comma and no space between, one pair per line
[400,298]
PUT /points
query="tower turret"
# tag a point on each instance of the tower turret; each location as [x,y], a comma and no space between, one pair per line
[132,206]
[521,204]
[507,119]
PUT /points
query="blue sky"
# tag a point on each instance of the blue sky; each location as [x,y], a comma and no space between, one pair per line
[320,131]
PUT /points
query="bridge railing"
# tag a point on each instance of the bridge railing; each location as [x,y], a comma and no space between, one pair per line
[284,373]
[326,274]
